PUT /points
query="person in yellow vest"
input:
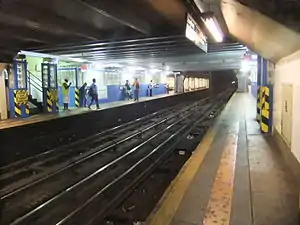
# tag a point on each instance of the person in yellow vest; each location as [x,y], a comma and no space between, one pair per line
[66,93]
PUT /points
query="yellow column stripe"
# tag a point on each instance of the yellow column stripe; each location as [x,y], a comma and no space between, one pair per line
[267,91]
[17,110]
[49,102]
[264,128]
[265,113]
[219,206]
[171,200]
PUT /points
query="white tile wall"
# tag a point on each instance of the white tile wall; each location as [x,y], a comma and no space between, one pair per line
[287,71]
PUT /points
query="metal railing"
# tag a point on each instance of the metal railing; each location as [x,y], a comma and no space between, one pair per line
[34,83]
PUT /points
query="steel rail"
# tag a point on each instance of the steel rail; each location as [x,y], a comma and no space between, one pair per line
[95,151]
[20,163]
[92,175]
[190,125]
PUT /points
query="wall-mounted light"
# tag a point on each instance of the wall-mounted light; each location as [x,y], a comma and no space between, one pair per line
[211,23]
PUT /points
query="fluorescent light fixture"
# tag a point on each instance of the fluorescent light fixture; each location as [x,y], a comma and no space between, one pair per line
[134,68]
[152,71]
[37,54]
[113,65]
[98,66]
[75,59]
[211,24]
[245,66]
[55,57]
[167,72]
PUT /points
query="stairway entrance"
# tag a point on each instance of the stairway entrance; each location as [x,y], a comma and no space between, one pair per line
[35,94]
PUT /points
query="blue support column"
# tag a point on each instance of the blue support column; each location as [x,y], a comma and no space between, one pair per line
[50,87]
[18,90]
[259,72]
[264,97]
[264,80]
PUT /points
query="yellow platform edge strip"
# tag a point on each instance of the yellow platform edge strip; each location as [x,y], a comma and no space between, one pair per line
[219,206]
[166,208]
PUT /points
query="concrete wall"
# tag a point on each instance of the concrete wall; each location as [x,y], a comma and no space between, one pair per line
[287,72]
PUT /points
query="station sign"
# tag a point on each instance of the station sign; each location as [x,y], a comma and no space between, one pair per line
[195,34]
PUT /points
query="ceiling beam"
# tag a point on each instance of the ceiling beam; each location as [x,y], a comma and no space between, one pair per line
[140,48]
[116,12]
[113,44]
[45,22]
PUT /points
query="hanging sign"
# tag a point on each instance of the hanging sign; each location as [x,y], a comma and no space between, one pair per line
[195,34]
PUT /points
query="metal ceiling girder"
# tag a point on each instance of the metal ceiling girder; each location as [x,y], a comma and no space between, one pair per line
[176,57]
[127,42]
[208,56]
[113,10]
[207,68]
[147,54]
[134,49]
[109,48]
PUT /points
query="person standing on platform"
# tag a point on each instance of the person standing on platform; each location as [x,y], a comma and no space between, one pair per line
[82,93]
[127,91]
[150,88]
[167,88]
[136,89]
[93,92]
[66,93]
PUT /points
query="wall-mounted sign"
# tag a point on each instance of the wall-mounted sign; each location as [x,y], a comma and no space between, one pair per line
[21,97]
[194,33]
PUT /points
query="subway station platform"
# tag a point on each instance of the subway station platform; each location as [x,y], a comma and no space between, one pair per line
[75,111]
[235,176]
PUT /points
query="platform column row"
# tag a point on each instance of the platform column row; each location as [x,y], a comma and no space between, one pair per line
[20,82]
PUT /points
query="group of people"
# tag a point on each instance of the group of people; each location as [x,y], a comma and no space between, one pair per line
[136,89]
[92,92]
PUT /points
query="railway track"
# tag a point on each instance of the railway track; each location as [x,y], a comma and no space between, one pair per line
[39,189]
[45,140]
[16,174]
[89,184]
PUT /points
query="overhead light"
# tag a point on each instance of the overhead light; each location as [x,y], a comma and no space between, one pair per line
[212,25]
[98,66]
[113,65]
[152,71]
[167,72]
[135,68]
[244,66]
[76,59]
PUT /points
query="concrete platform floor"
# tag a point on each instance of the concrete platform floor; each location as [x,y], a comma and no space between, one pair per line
[236,176]
[74,111]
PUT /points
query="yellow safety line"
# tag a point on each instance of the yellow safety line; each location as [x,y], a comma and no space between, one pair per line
[219,206]
[169,203]
[179,186]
